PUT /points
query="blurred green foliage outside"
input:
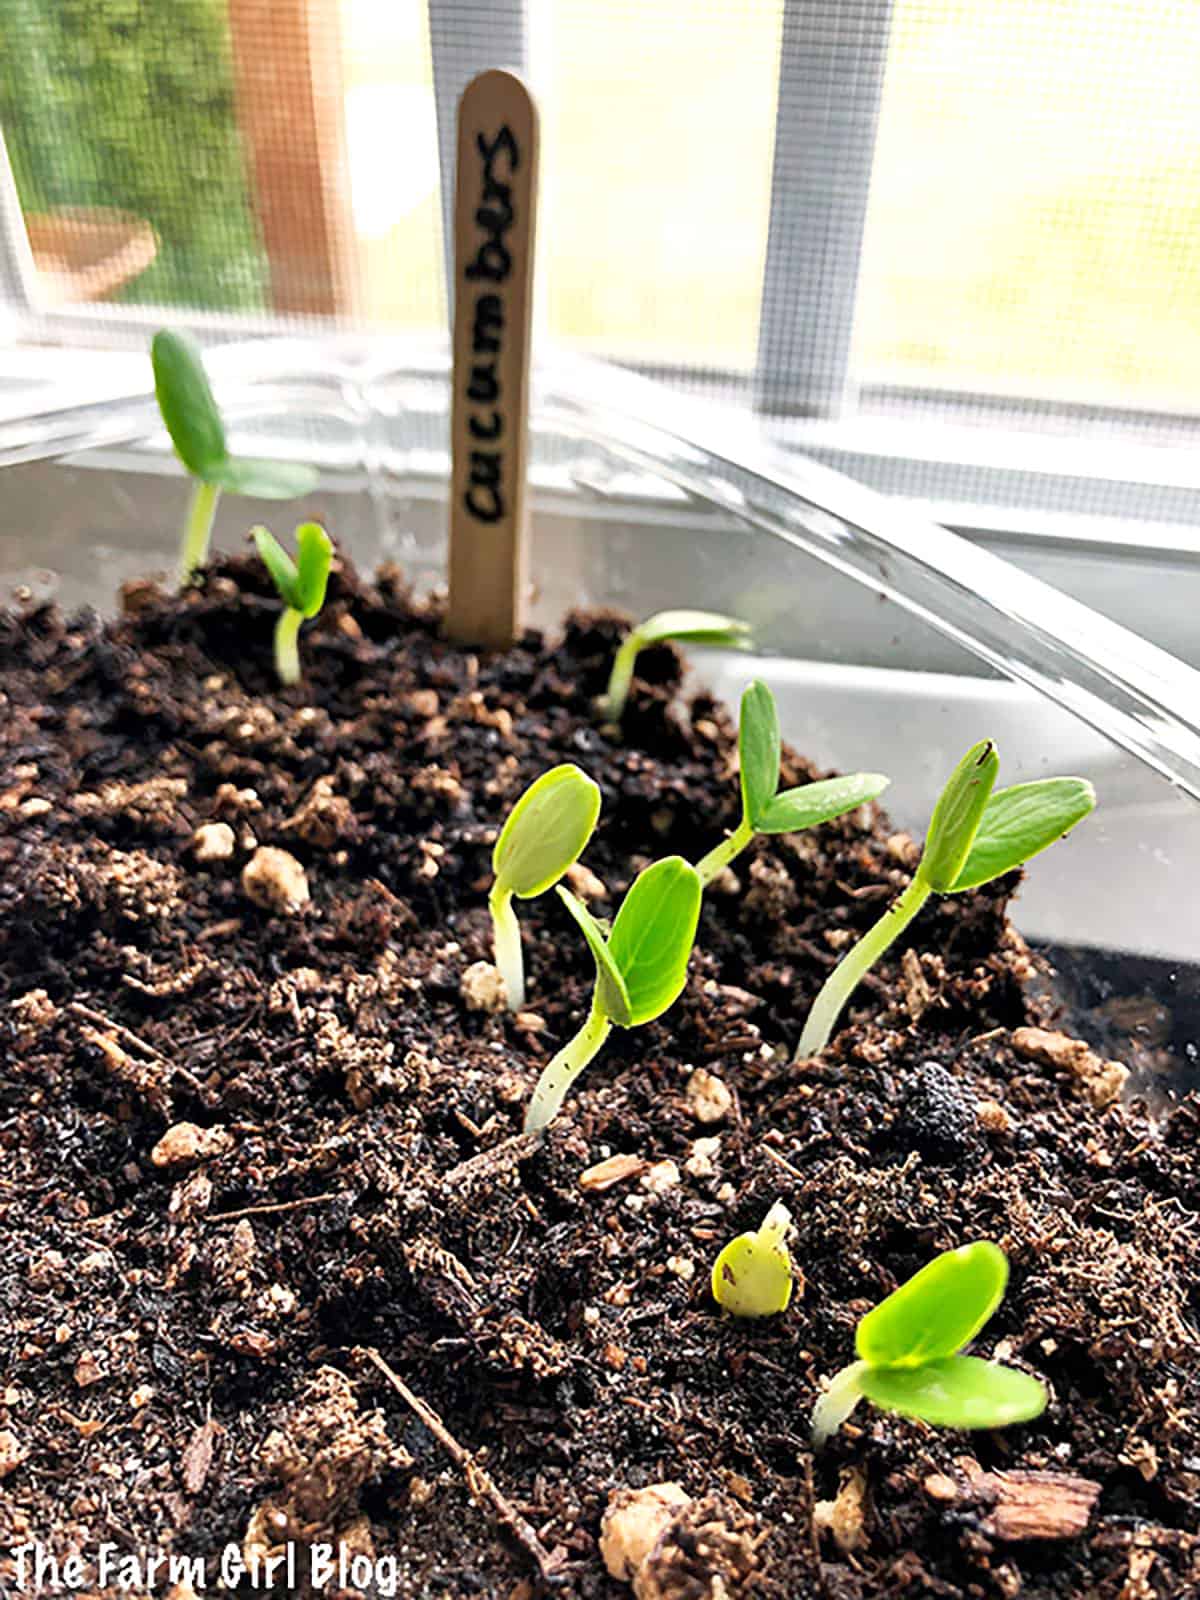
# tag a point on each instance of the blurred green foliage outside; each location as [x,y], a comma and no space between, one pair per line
[129,104]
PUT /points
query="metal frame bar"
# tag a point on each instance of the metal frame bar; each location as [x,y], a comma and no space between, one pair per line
[466,37]
[831,65]
[18,275]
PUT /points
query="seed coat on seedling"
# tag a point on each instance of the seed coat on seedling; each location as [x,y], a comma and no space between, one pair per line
[753,1275]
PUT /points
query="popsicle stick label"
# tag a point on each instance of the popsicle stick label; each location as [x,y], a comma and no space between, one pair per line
[495,203]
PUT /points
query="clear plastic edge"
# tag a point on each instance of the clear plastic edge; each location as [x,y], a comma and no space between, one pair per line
[1143,699]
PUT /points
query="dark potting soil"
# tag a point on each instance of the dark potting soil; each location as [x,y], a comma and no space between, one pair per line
[206,1333]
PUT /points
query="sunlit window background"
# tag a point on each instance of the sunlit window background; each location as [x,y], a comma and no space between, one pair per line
[1034,220]
[1030,225]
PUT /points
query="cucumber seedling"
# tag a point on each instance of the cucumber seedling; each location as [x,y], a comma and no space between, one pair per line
[908,1352]
[752,1276]
[190,413]
[641,968]
[685,627]
[301,584]
[764,810]
[974,836]
[545,833]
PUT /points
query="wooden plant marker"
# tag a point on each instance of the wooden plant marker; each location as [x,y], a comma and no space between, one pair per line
[494,213]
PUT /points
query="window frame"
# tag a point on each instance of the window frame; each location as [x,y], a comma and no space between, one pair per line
[975,462]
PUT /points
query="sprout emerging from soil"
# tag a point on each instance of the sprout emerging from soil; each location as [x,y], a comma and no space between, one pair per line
[908,1349]
[641,968]
[189,411]
[763,809]
[301,584]
[686,627]
[752,1276]
[545,833]
[974,836]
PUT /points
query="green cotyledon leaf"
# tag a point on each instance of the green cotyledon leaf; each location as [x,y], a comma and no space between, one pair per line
[939,1310]
[693,627]
[546,831]
[956,1392]
[314,557]
[957,815]
[813,803]
[185,400]
[652,936]
[611,995]
[759,748]
[1019,822]
[263,480]
[280,565]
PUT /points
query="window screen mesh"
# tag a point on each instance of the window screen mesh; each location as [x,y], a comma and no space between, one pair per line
[1019,180]
[1034,220]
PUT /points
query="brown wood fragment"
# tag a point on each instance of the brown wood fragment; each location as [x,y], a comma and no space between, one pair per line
[939,1487]
[1019,1504]
[1102,1081]
[845,1516]
[607,1173]
[1040,1505]
[918,995]
[197,1457]
[501,1158]
[479,1480]
[272,1208]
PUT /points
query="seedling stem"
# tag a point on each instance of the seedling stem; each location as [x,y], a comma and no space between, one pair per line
[287,645]
[561,1072]
[850,971]
[641,968]
[837,1402]
[506,932]
[197,531]
[719,857]
[687,627]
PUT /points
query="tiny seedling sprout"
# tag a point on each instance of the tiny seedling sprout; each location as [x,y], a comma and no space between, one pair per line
[788,811]
[187,407]
[545,833]
[641,968]
[752,1276]
[974,836]
[686,627]
[301,584]
[908,1352]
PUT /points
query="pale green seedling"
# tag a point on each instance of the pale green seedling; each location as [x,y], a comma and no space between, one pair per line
[974,836]
[641,968]
[545,833]
[752,1276]
[766,808]
[301,584]
[908,1352]
[191,416]
[685,627]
